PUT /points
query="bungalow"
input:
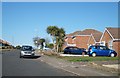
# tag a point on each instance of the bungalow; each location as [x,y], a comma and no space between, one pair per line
[4,43]
[69,39]
[111,39]
[80,39]
[94,39]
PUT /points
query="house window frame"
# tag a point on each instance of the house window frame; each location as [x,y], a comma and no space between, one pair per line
[73,38]
[110,43]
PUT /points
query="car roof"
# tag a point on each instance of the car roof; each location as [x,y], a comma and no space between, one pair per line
[97,46]
[74,47]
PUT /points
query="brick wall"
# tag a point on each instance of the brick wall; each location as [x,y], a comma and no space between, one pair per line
[69,40]
[91,41]
[106,37]
[116,47]
[82,41]
[115,44]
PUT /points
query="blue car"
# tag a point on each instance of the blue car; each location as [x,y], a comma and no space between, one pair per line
[101,51]
[74,50]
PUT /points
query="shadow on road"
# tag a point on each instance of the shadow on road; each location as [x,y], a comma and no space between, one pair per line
[31,57]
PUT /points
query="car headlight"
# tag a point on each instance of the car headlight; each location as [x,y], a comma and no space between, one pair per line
[33,52]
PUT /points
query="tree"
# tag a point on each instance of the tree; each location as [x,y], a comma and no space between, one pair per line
[47,40]
[50,45]
[36,41]
[41,41]
[18,47]
[52,30]
[58,34]
[60,39]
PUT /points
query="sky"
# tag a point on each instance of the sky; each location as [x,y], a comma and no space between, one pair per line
[22,21]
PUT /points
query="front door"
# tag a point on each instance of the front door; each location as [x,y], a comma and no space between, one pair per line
[103,51]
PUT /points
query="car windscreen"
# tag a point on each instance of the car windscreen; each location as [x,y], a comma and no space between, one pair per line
[104,48]
[27,48]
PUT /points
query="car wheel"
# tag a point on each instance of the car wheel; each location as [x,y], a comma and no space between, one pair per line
[68,52]
[20,56]
[112,55]
[93,54]
[83,53]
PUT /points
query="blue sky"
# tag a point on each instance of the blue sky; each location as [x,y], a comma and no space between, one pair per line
[21,21]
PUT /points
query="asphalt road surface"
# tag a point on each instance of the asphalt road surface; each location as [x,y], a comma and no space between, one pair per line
[12,65]
[0,63]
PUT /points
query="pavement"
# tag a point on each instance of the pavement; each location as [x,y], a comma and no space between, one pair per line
[80,70]
[115,66]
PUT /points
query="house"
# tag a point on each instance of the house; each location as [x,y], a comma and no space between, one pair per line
[4,43]
[69,39]
[111,39]
[79,39]
[94,39]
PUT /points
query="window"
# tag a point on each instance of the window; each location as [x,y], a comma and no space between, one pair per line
[103,48]
[73,39]
[110,44]
[75,48]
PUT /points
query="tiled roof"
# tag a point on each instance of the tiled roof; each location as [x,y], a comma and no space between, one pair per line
[88,32]
[84,32]
[72,34]
[114,32]
[97,36]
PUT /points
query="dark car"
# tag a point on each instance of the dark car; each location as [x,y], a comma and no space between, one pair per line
[101,51]
[74,50]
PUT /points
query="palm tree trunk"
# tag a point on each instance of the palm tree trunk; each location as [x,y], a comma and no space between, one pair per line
[53,44]
[57,48]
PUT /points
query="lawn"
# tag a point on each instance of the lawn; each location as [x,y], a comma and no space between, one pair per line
[89,59]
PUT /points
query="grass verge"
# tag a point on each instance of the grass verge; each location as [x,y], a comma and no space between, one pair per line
[89,59]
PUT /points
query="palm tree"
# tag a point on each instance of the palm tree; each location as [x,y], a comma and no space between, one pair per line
[41,41]
[57,35]
[60,39]
[36,41]
[52,30]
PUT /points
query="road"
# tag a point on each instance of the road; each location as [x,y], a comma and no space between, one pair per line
[0,63]
[12,65]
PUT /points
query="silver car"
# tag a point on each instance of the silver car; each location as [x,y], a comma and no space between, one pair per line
[27,51]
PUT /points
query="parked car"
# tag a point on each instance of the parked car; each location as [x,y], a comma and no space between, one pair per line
[74,50]
[27,51]
[101,51]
